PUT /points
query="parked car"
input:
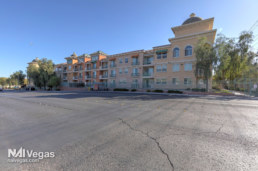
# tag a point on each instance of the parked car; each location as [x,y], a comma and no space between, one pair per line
[1,89]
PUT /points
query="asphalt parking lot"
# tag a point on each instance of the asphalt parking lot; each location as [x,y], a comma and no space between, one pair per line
[116,131]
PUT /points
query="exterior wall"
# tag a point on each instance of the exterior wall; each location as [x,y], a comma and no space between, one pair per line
[185,35]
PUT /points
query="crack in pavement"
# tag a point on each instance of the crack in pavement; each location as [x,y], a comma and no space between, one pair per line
[152,138]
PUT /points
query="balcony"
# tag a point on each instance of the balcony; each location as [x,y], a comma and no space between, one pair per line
[64,78]
[64,71]
[135,74]
[94,76]
[135,63]
[147,62]
[147,74]
[103,67]
[87,68]
[75,78]
[112,75]
[75,70]
[103,76]
[112,65]
[94,67]
[87,77]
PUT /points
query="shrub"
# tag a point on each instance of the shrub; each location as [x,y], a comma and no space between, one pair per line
[121,89]
[133,90]
[158,91]
[188,89]
[199,89]
[148,91]
[216,88]
[175,91]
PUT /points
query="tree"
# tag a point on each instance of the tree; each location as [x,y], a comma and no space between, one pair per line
[54,81]
[18,77]
[46,70]
[41,74]
[3,81]
[205,59]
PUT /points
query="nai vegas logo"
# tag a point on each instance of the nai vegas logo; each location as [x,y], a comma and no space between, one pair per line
[23,155]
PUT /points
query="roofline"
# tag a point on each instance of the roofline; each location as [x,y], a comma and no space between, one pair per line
[191,35]
[126,53]
[186,25]
[155,47]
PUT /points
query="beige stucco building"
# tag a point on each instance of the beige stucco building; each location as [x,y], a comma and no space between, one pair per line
[169,66]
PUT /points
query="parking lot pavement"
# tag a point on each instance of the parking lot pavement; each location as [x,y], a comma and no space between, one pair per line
[118,131]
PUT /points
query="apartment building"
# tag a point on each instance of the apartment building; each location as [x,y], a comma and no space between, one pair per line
[169,66]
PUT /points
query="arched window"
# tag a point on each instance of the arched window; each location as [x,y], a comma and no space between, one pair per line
[188,51]
[176,52]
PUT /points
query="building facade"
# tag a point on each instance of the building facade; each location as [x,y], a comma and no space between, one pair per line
[165,67]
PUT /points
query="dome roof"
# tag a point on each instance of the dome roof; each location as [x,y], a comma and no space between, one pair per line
[192,19]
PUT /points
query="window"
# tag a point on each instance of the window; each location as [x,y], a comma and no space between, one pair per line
[187,81]
[176,52]
[135,70]
[126,70]
[94,58]
[126,60]
[158,81]
[175,81]
[188,67]
[201,82]
[120,60]
[70,67]
[164,68]
[69,61]
[120,71]
[176,67]
[94,65]
[159,56]
[164,81]
[113,72]
[122,81]
[164,55]
[80,60]
[158,68]
[188,51]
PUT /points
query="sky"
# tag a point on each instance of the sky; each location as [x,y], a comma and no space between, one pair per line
[54,29]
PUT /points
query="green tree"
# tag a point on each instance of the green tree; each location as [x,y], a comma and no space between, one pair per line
[46,70]
[54,81]
[18,77]
[205,59]
[41,74]
[3,81]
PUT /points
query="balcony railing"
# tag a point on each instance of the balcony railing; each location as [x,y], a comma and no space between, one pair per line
[94,76]
[87,77]
[147,74]
[64,71]
[112,75]
[88,69]
[94,67]
[64,78]
[136,63]
[112,65]
[147,62]
[135,74]
[75,70]
[75,78]
[103,76]
[104,67]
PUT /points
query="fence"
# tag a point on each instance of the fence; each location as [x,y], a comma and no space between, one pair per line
[242,86]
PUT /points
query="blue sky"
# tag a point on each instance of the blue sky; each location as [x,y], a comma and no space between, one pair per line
[56,28]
